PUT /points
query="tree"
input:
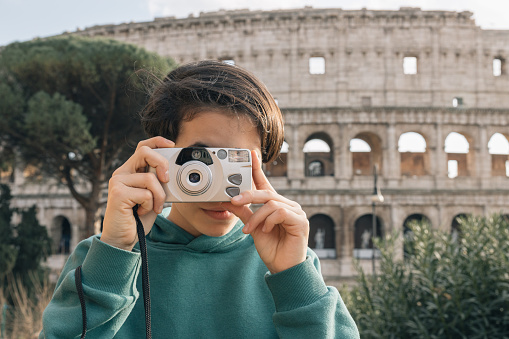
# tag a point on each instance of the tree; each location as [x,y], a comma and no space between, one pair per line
[22,246]
[8,253]
[32,243]
[68,107]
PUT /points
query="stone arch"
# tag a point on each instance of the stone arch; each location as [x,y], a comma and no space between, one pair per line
[322,236]
[319,148]
[498,148]
[456,226]
[407,232]
[62,234]
[460,157]
[416,217]
[414,154]
[363,234]
[279,167]
[363,161]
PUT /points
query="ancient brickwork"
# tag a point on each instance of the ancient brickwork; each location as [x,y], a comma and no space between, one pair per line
[363,52]
[371,77]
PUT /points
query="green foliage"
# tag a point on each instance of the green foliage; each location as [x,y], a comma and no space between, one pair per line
[444,289]
[22,247]
[11,104]
[55,120]
[82,90]
[8,252]
[32,242]
[69,107]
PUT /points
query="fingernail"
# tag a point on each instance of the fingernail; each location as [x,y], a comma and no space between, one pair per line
[167,176]
[237,198]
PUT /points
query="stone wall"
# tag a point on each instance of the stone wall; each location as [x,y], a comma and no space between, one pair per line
[363,52]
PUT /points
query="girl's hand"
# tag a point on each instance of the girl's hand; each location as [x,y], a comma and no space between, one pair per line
[130,185]
[280,227]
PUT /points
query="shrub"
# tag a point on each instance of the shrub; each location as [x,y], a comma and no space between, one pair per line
[444,288]
[22,246]
[24,287]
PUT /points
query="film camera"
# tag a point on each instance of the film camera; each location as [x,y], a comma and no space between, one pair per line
[199,174]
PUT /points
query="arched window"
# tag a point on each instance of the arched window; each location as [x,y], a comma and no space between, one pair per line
[412,142]
[363,234]
[407,231]
[285,147]
[322,236]
[359,145]
[498,147]
[456,226]
[366,150]
[456,143]
[62,234]
[458,157]
[279,167]
[318,155]
[413,154]
[316,146]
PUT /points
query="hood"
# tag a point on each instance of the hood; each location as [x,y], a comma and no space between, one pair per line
[166,234]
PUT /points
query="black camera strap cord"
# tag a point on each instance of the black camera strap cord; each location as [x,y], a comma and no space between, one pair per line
[144,280]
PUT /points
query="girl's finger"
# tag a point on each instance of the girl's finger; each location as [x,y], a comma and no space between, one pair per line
[145,181]
[260,180]
[261,197]
[138,196]
[259,217]
[243,212]
[156,142]
[143,157]
[286,218]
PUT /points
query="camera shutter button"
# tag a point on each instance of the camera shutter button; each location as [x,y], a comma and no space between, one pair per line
[232,191]
[235,179]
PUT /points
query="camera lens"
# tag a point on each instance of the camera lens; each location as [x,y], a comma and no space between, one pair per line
[194,177]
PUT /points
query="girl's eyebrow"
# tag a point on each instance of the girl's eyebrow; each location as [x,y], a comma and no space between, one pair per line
[198,144]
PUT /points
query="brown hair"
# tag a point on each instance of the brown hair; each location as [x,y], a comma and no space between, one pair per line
[213,85]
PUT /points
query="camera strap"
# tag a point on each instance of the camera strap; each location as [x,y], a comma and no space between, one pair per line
[144,272]
[144,281]
[79,288]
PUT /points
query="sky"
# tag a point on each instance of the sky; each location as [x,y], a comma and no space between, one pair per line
[22,20]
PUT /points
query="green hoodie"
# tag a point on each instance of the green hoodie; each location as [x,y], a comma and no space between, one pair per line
[204,287]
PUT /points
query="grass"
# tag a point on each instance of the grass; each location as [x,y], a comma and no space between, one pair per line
[24,313]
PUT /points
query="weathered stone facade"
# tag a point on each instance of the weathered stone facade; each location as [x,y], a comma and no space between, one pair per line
[362,92]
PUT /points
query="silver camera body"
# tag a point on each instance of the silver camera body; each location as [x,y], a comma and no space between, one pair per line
[199,174]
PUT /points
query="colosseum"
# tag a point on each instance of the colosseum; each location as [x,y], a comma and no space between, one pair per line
[421,95]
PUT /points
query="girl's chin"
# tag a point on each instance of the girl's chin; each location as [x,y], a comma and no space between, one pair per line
[221,224]
[218,231]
